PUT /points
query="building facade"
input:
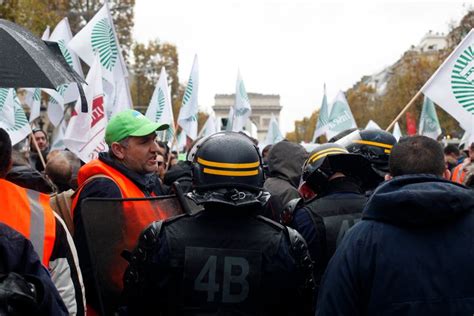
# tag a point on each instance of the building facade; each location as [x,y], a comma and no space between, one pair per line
[263,107]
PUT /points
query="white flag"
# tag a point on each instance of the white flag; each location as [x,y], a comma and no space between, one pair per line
[57,139]
[209,127]
[33,100]
[45,36]
[187,118]
[397,132]
[181,141]
[99,36]
[62,35]
[323,118]
[12,117]
[372,125]
[341,117]
[230,119]
[160,109]
[274,134]
[429,123]
[86,131]
[452,85]
[242,108]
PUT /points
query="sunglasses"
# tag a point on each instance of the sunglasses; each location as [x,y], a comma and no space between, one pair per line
[160,163]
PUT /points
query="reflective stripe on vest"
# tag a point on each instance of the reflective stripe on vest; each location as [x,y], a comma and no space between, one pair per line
[29,213]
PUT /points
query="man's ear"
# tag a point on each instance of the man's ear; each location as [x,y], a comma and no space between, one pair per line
[447,174]
[388,177]
[118,150]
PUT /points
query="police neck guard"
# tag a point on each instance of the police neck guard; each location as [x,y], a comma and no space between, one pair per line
[230,196]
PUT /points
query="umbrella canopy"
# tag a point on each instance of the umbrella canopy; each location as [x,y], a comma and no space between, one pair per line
[26,61]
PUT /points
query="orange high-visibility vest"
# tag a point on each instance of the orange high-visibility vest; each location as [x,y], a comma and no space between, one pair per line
[29,213]
[458,174]
[137,215]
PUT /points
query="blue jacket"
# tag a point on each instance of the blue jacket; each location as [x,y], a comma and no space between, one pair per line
[412,253]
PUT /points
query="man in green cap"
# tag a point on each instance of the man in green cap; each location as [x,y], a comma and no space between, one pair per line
[127,170]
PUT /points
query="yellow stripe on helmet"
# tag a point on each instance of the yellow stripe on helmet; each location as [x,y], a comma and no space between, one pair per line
[228,165]
[324,153]
[231,173]
[376,144]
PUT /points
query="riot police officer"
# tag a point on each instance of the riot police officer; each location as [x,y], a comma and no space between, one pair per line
[335,177]
[375,145]
[224,260]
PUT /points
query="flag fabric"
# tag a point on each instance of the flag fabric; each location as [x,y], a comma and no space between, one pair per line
[452,85]
[274,134]
[187,118]
[85,134]
[341,117]
[372,125]
[62,35]
[12,117]
[99,37]
[181,141]
[33,100]
[160,109]
[411,124]
[45,36]
[57,139]
[209,127]
[242,108]
[323,118]
[429,123]
[397,132]
[230,119]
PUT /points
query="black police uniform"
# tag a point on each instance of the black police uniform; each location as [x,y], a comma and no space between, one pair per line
[221,261]
[324,221]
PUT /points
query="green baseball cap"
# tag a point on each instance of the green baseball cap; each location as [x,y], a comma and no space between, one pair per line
[130,123]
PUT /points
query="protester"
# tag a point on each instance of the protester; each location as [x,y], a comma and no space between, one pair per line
[161,166]
[335,176]
[127,170]
[29,213]
[265,152]
[21,173]
[59,171]
[452,156]
[25,284]
[284,164]
[43,144]
[459,173]
[410,254]
[224,259]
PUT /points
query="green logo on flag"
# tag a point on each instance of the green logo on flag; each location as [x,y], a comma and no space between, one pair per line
[20,118]
[3,97]
[242,92]
[103,41]
[67,55]
[241,112]
[161,105]
[462,79]
[37,95]
[189,92]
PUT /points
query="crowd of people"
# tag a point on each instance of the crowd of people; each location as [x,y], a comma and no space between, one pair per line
[361,225]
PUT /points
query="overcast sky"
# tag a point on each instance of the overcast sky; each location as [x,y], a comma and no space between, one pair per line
[289,47]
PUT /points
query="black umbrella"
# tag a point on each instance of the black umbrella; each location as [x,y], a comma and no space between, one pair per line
[27,61]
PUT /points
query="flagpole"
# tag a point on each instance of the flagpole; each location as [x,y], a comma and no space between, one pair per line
[404,110]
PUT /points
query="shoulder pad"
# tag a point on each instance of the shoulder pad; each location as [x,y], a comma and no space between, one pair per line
[175,218]
[302,257]
[286,216]
[272,223]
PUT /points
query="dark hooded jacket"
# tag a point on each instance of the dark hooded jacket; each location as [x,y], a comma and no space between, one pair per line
[285,161]
[412,253]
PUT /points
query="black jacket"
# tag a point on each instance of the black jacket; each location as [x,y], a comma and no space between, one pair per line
[18,256]
[411,254]
[219,260]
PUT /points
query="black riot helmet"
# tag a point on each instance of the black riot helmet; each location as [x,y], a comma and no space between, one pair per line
[329,158]
[227,169]
[375,145]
